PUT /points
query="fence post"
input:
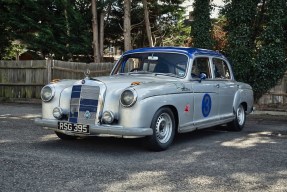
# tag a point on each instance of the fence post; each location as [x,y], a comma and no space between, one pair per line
[49,70]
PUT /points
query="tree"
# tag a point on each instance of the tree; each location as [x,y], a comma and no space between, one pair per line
[240,16]
[164,15]
[256,43]
[201,29]
[127,25]
[270,60]
[4,28]
[147,23]
[96,47]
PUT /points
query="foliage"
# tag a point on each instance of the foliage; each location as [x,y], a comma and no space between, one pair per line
[255,41]
[270,60]
[14,50]
[201,29]
[53,28]
[62,29]
[164,16]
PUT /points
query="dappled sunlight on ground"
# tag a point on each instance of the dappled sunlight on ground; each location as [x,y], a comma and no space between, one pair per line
[49,137]
[136,181]
[200,180]
[251,140]
[5,141]
[26,116]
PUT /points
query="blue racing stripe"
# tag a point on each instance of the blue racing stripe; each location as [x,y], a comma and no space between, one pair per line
[89,102]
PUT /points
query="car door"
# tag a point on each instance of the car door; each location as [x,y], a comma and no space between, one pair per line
[206,93]
[227,87]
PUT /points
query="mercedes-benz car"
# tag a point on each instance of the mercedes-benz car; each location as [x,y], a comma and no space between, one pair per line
[153,93]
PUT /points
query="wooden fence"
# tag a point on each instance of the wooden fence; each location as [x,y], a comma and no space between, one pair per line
[25,79]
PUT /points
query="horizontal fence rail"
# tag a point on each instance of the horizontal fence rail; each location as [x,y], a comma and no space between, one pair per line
[25,79]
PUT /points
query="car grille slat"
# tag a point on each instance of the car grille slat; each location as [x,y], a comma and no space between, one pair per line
[84,104]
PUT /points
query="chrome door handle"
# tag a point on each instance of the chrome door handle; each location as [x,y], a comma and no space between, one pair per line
[217,85]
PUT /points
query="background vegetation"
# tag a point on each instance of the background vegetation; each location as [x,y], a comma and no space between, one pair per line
[251,33]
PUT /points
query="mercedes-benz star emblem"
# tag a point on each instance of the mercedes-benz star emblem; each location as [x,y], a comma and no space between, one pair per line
[87,115]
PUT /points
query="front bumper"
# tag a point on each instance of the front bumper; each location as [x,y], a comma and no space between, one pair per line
[97,129]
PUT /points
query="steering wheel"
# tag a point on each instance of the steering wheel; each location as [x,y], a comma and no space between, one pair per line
[135,69]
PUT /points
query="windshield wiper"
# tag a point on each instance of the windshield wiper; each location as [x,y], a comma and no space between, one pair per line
[140,72]
[167,74]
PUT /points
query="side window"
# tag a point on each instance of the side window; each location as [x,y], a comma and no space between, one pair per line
[221,70]
[200,65]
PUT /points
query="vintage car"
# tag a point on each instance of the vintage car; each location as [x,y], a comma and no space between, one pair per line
[151,92]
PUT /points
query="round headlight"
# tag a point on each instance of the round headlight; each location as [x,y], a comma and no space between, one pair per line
[47,93]
[108,117]
[58,112]
[128,97]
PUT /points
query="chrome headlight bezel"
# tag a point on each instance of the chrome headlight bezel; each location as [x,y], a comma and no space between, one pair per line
[48,89]
[128,102]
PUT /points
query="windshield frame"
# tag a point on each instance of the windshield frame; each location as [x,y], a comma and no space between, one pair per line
[123,58]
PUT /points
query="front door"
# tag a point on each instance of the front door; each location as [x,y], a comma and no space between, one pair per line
[206,93]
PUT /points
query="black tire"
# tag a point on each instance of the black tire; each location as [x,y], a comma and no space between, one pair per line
[163,125]
[240,118]
[65,137]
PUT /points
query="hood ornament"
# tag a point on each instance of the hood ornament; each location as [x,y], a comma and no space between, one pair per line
[87,72]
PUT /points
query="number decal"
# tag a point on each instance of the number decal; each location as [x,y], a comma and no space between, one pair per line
[206,105]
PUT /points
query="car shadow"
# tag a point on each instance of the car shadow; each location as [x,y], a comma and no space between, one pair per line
[123,145]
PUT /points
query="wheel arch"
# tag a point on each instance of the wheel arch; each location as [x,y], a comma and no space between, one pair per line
[175,114]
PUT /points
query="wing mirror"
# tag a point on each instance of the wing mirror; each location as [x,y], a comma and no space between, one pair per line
[202,76]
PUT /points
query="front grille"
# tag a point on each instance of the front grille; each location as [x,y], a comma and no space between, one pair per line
[84,104]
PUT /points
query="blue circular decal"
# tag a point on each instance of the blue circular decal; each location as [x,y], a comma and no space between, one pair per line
[206,105]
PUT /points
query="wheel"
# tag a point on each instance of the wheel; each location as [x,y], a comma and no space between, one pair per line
[163,125]
[240,117]
[65,137]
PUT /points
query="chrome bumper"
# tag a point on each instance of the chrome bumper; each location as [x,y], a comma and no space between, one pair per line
[97,129]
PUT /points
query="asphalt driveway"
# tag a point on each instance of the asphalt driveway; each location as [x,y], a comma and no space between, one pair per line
[34,159]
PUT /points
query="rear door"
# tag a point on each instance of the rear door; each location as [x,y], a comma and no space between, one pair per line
[228,87]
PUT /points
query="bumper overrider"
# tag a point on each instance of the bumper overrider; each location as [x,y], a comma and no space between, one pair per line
[96,129]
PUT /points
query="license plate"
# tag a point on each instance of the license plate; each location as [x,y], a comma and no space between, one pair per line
[75,128]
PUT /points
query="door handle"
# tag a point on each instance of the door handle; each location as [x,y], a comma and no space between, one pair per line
[217,85]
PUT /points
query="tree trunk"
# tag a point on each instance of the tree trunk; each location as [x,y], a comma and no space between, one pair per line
[95,32]
[127,25]
[147,23]
[102,20]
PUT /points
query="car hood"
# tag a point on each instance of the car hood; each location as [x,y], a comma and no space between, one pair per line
[145,85]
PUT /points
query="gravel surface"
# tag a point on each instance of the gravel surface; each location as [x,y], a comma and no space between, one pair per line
[34,159]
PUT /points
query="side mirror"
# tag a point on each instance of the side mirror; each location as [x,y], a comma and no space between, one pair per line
[202,76]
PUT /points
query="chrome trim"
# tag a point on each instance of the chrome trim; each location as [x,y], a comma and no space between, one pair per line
[98,129]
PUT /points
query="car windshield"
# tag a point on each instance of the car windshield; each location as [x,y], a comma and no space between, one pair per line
[160,63]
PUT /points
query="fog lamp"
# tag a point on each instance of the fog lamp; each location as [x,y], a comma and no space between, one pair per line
[58,112]
[108,117]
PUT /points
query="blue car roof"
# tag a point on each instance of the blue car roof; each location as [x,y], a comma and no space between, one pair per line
[187,50]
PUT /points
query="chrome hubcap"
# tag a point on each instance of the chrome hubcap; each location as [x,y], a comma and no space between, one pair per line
[163,128]
[240,115]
